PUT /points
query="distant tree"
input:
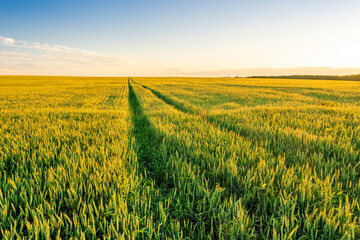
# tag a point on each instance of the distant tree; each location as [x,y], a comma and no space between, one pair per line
[321,77]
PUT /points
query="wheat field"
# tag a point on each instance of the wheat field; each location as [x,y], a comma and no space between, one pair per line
[179,158]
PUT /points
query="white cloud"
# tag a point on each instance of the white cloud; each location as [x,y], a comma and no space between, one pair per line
[6,41]
[21,57]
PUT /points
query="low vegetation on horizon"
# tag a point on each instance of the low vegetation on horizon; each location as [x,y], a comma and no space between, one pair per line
[179,158]
[355,77]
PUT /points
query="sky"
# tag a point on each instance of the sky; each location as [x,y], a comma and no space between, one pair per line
[179,38]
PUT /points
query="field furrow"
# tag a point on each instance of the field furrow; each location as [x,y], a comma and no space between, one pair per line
[184,182]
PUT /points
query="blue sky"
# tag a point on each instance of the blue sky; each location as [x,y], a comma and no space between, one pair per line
[158,38]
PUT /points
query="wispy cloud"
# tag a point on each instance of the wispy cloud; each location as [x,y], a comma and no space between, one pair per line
[21,57]
[6,41]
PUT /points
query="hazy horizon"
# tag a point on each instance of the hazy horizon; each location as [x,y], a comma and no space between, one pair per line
[226,73]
